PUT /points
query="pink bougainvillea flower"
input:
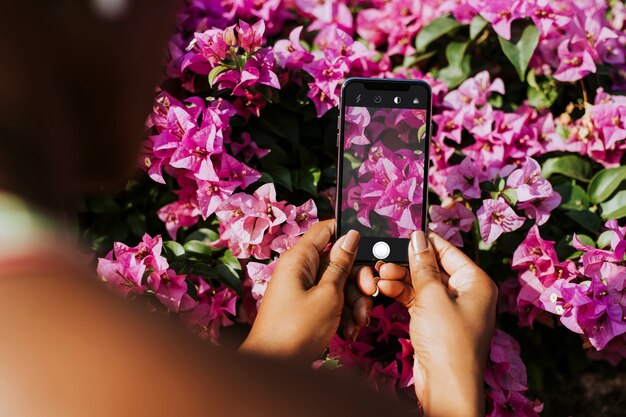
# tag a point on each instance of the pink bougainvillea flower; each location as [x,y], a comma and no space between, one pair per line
[506,371]
[248,148]
[170,289]
[466,177]
[122,277]
[541,208]
[528,182]
[513,404]
[260,275]
[450,222]
[496,217]
[290,53]
[178,214]
[250,37]
[195,151]
[500,14]
[473,91]
[356,120]
[576,60]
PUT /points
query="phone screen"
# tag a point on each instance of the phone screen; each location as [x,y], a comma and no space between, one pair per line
[383,170]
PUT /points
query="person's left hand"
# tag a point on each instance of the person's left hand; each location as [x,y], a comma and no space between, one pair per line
[304,301]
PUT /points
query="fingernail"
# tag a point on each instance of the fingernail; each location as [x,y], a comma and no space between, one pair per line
[376,292]
[351,241]
[418,241]
[378,265]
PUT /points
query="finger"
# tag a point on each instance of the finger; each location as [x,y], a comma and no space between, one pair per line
[350,330]
[423,264]
[340,260]
[394,272]
[465,275]
[398,290]
[360,304]
[304,255]
[366,281]
[318,236]
[451,258]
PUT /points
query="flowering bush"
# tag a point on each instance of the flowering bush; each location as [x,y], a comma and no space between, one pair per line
[530,133]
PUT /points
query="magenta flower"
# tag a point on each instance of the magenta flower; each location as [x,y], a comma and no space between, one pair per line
[260,275]
[513,404]
[450,222]
[528,182]
[178,214]
[250,37]
[356,120]
[500,14]
[576,60]
[170,288]
[496,217]
[195,151]
[506,371]
[466,177]
[290,53]
[474,91]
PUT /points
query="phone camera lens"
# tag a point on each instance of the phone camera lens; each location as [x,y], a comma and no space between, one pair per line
[397,100]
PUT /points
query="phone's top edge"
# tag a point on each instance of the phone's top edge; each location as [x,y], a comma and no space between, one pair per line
[391,80]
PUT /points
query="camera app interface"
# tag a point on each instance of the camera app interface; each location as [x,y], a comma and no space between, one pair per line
[384,145]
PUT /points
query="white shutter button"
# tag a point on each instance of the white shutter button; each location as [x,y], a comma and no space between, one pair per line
[381,250]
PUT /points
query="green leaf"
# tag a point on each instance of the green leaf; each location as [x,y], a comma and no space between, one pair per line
[458,68]
[476,26]
[586,219]
[353,161]
[420,133]
[411,60]
[605,182]
[203,235]
[540,96]
[586,240]
[436,29]
[281,175]
[573,197]
[230,261]
[510,195]
[173,249]
[519,53]
[572,166]
[195,247]
[228,270]
[605,238]
[215,72]
[307,180]
[615,208]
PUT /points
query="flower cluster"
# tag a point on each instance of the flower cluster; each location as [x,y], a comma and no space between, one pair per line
[499,154]
[144,270]
[189,145]
[600,133]
[255,225]
[387,178]
[506,376]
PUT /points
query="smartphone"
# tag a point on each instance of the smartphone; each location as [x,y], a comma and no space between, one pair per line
[382,170]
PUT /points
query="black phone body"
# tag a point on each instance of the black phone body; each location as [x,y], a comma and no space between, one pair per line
[382,168]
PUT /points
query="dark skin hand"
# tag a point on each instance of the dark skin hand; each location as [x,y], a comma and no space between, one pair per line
[452,304]
[304,301]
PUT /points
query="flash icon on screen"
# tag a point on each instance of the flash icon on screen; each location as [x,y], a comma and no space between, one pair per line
[358,98]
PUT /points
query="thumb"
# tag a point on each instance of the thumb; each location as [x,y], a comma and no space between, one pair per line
[423,264]
[340,260]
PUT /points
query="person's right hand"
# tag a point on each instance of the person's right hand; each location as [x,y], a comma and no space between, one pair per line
[452,312]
